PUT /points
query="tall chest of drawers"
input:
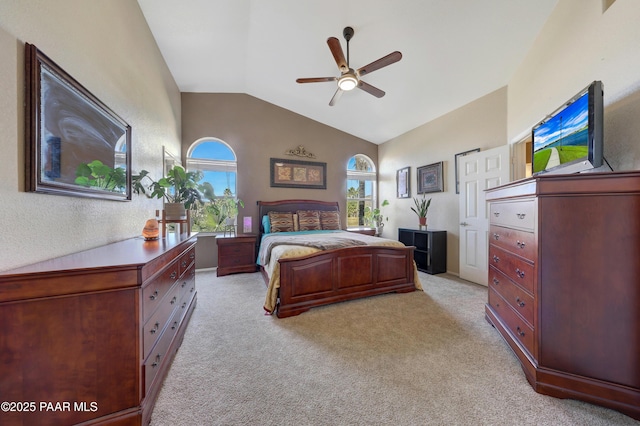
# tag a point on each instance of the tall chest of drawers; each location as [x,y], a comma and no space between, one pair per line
[563,283]
[94,333]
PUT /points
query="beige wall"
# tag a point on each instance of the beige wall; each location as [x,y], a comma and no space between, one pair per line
[578,44]
[480,124]
[257,131]
[108,48]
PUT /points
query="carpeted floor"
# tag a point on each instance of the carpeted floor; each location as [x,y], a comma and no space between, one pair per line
[421,358]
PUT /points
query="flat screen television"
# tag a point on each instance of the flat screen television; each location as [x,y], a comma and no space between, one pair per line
[570,140]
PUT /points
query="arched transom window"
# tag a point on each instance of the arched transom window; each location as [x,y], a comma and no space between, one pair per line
[218,164]
[361,189]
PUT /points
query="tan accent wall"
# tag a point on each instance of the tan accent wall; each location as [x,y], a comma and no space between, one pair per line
[108,48]
[257,131]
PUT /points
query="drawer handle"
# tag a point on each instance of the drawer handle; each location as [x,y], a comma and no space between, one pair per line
[155,328]
[174,325]
[192,255]
[192,288]
[496,214]
[184,263]
[154,295]
[496,236]
[520,244]
[173,300]
[520,215]
[184,305]
[519,302]
[193,272]
[156,362]
[173,275]
[496,258]
[519,331]
[519,273]
[183,284]
[496,281]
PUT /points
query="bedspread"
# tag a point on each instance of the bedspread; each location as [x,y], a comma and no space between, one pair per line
[283,251]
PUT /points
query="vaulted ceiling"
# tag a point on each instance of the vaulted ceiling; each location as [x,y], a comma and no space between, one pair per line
[453,52]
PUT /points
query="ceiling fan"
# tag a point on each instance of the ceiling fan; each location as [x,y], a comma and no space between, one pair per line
[350,79]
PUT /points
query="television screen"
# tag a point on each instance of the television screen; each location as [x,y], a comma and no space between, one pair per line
[570,140]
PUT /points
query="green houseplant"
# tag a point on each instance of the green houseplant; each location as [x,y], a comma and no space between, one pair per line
[421,208]
[374,217]
[179,189]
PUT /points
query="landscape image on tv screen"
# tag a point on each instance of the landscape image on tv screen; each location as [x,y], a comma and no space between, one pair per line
[563,138]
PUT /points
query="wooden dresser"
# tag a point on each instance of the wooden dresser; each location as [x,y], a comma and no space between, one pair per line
[89,337]
[564,286]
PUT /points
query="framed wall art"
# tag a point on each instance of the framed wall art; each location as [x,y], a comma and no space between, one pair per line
[457,158]
[403,182]
[430,178]
[74,144]
[298,174]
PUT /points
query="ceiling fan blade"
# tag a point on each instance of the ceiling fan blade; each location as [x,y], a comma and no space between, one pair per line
[336,96]
[315,79]
[338,54]
[370,89]
[391,58]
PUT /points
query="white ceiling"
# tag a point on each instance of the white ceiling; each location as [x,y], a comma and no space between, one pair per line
[454,51]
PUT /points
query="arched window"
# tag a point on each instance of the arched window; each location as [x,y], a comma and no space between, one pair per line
[361,190]
[218,163]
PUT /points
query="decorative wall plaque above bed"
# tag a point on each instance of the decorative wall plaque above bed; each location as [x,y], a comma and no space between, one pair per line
[298,174]
[75,145]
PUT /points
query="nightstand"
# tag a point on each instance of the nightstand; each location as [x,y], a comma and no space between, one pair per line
[236,254]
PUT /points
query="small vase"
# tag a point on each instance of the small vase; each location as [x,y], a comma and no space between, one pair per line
[423,222]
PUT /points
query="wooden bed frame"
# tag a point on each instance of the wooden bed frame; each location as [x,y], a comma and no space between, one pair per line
[336,275]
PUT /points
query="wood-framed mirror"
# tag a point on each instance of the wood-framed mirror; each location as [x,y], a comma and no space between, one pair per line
[75,145]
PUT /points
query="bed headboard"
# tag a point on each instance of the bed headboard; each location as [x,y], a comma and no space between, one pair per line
[264,207]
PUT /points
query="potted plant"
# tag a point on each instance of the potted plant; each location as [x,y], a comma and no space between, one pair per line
[374,217]
[421,209]
[179,190]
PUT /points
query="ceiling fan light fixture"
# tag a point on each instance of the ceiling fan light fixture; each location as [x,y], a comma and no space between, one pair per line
[347,82]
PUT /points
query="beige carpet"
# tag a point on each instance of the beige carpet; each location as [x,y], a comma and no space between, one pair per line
[422,358]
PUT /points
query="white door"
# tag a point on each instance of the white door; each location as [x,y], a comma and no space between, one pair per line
[477,172]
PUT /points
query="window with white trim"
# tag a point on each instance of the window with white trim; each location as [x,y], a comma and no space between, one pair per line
[361,190]
[218,164]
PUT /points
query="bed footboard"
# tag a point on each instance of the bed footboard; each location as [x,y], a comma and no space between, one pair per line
[343,274]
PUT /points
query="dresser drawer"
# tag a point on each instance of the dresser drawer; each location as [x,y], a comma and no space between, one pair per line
[153,328]
[153,292]
[519,214]
[518,327]
[518,270]
[520,300]
[522,243]
[187,258]
[159,354]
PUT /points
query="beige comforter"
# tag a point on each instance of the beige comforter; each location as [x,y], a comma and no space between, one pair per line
[286,251]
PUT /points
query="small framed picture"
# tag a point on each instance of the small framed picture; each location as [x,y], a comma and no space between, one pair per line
[430,178]
[403,182]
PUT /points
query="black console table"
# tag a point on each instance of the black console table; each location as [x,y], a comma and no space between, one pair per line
[430,251]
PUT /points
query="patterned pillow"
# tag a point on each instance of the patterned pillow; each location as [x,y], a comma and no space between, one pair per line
[309,220]
[281,221]
[330,220]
